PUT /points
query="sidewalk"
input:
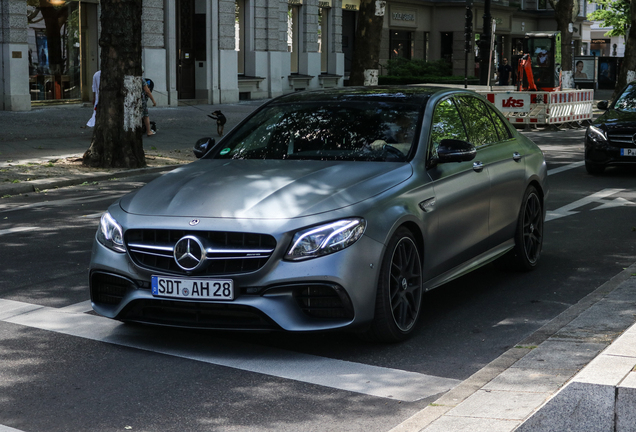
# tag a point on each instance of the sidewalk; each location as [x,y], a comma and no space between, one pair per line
[576,373]
[44,134]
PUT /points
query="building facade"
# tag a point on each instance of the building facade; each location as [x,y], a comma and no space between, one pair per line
[223,51]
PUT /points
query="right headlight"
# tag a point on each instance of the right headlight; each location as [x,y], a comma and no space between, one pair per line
[325,239]
[110,234]
[596,134]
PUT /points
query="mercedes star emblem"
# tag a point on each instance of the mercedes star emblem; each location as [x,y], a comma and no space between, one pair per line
[189,253]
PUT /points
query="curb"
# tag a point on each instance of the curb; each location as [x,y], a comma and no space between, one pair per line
[58,182]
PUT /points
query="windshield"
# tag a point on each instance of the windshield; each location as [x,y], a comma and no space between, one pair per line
[318,130]
[627,100]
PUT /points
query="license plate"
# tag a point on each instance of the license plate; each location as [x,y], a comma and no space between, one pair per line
[628,152]
[193,289]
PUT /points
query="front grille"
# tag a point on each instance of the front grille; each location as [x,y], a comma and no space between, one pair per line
[623,139]
[227,252]
[109,289]
[323,301]
[197,315]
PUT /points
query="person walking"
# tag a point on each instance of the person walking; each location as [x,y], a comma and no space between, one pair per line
[504,72]
[147,94]
[96,81]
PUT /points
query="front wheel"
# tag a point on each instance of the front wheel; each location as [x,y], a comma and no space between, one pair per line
[529,233]
[399,293]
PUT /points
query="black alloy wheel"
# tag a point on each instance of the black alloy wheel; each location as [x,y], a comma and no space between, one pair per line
[528,235]
[533,228]
[399,295]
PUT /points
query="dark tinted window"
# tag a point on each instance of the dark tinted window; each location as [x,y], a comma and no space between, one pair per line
[319,130]
[447,124]
[479,124]
[500,124]
[627,100]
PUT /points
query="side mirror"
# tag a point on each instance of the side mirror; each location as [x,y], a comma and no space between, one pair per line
[203,146]
[602,105]
[452,150]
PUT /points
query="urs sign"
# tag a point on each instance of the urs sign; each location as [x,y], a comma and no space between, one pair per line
[517,102]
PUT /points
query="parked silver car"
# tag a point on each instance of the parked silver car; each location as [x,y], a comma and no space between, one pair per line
[325,210]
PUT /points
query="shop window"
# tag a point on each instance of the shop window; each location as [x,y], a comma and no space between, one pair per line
[293,35]
[239,34]
[54,50]
[323,38]
[401,44]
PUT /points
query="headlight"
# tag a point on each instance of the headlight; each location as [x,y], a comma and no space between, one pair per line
[596,134]
[109,233]
[325,239]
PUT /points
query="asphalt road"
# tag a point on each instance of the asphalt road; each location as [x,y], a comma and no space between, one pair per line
[63,369]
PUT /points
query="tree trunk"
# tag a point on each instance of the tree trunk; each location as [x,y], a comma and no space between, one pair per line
[117,134]
[366,53]
[627,72]
[563,16]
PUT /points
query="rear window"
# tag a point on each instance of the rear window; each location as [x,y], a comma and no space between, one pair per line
[335,130]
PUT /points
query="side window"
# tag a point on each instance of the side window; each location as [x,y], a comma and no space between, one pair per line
[447,124]
[500,124]
[481,129]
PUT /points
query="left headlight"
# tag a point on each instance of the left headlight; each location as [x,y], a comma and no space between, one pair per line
[109,233]
[596,134]
[325,239]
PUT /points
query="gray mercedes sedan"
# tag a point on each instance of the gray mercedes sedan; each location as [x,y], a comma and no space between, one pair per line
[325,210]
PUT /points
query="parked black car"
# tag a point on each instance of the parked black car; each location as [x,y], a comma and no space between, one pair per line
[611,139]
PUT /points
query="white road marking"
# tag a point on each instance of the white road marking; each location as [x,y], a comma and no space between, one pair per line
[343,375]
[81,307]
[598,197]
[8,429]
[17,229]
[566,167]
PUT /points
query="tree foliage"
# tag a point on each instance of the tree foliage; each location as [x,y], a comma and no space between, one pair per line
[614,14]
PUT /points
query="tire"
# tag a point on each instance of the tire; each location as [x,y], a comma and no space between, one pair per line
[399,291]
[593,168]
[528,234]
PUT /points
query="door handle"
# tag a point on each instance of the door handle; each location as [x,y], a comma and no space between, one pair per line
[516,156]
[478,166]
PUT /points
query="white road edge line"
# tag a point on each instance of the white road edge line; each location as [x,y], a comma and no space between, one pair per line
[566,167]
[18,229]
[4,428]
[338,374]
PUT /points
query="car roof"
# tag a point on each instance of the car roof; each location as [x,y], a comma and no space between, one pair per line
[395,94]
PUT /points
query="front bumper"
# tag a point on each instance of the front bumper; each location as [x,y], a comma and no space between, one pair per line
[330,292]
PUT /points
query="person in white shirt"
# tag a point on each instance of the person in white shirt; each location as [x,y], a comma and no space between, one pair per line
[96,81]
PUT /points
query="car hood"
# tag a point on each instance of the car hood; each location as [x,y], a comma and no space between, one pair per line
[263,189]
[614,119]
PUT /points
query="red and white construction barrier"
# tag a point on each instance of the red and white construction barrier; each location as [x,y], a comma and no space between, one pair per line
[543,108]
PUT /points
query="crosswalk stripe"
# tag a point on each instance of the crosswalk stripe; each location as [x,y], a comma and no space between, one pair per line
[339,374]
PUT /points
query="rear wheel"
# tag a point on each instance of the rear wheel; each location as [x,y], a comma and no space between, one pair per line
[529,233]
[399,294]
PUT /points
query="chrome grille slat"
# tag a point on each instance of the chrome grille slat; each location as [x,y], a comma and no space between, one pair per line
[230,253]
[621,138]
